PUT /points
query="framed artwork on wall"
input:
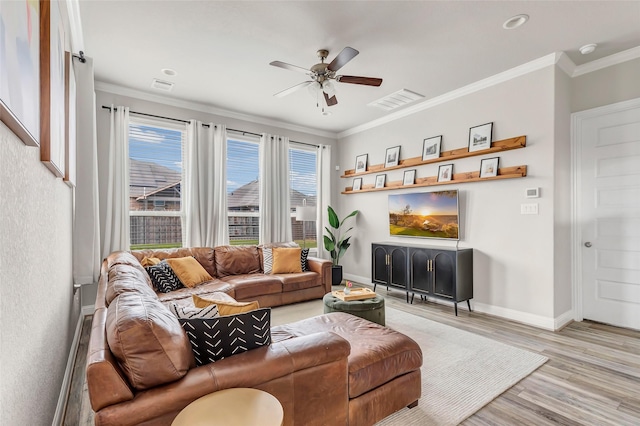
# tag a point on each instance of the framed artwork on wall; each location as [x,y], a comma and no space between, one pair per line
[392,157]
[357,184]
[20,69]
[480,137]
[445,172]
[431,148]
[409,177]
[380,180]
[361,163]
[70,121]
[489,167]
[52,88]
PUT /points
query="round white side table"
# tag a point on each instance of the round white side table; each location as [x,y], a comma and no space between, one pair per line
[232,407]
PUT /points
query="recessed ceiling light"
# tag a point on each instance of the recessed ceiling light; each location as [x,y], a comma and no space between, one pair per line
[588,48]
[515,22]
[169,72]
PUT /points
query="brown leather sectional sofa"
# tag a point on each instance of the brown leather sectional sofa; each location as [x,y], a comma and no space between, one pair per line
[334,369]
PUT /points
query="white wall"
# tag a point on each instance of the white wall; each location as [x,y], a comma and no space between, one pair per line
[38,312]
[513,253]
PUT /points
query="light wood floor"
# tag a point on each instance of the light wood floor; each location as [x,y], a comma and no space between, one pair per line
[592,376]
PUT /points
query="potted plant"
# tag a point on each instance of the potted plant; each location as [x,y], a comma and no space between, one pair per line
[337,243]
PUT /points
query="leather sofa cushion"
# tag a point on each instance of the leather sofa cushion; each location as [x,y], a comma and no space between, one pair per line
[126,278]
[147,340]
[204,256]
[293,282]
[237,260]
[378,354]
[184,294]
[249,286]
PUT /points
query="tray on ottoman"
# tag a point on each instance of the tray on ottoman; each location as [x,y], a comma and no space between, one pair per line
[355,294]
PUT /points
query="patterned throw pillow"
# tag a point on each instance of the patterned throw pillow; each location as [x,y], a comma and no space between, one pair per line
[163,278]
[267,260]
[218,338]
[303,260]
[189,312]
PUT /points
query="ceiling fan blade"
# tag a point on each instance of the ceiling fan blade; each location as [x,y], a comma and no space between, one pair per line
[331,101]
[292,89]
[367,81]
[289,67]
[347,54]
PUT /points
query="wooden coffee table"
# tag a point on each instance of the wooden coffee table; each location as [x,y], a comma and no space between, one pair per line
[232,407]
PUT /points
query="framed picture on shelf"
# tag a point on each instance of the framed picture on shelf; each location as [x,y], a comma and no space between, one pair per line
[489,167]
[445,172]
[409,177]
[357,184]
[361,163]
[392,157]
[380,180]
[480,137]
[431,148]
[20,83]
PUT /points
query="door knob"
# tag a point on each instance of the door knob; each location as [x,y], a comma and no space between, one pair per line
[587,244]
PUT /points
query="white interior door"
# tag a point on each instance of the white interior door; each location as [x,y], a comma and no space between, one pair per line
[609,214]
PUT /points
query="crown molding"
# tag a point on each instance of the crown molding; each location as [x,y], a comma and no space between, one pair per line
[195,106]
[565,63]
[510,74]
[607,61]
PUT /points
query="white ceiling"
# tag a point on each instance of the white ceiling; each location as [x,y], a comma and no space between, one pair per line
[221,49]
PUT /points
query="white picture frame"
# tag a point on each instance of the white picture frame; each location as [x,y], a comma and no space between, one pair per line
[361,163]
[392,156]
[380,181]
[431,148]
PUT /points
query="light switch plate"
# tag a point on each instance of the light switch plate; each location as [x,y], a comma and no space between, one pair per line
[529,208]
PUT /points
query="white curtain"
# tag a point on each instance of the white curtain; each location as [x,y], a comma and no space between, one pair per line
[275,212]
[86,218]
[323,166]
[205,191]
[116,227]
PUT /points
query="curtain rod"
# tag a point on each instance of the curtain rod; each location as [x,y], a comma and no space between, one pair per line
[205,125]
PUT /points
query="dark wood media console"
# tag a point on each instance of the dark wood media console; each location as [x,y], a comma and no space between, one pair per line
[430,271]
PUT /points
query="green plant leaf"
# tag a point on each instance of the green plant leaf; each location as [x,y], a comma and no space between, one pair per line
[353,213]
[329,244]
[333,218]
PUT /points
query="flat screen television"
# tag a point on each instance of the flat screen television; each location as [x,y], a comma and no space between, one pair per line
[425,215]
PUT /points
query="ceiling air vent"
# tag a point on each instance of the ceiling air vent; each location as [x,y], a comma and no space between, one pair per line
[166,86]
[396,99]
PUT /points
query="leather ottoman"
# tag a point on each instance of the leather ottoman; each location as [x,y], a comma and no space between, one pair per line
[384,365]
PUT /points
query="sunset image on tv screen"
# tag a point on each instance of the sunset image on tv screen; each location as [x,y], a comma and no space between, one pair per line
[424,214]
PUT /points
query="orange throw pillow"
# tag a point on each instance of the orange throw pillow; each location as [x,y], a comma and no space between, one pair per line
[286,260]
[225,307]
[189,271]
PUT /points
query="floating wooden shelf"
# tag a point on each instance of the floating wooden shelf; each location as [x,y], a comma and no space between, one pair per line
[497,146]
[503,173]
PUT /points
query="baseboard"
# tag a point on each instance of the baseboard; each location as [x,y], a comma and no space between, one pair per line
[564,319]
[58,416]
[357,278]
[87,310]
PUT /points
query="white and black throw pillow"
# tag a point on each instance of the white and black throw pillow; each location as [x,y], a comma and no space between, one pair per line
[267,260]
[163,278]
[189,312]
[303,260]
[218,338]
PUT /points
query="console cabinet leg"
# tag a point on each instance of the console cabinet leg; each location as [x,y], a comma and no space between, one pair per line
[456,307]
[469,305]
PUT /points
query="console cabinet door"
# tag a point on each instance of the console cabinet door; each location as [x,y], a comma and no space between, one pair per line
[420,276]
[379,268]
[398,267]
[444,274]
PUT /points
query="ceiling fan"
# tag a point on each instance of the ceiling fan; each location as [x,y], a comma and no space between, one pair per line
[322,75]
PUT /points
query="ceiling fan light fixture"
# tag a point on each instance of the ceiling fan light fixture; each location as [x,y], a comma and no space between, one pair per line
[329,88]
[515,22]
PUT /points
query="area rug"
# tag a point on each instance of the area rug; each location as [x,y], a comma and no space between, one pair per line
[461,372]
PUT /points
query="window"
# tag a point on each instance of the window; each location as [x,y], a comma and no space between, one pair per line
[243,191]
[155,176]
[303,184]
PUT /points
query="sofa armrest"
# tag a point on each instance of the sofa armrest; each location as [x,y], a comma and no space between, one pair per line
[322,267]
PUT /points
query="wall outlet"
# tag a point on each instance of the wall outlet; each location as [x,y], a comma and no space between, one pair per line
[531,208]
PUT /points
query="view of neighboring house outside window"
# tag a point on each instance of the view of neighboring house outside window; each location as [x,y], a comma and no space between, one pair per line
[155,176]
